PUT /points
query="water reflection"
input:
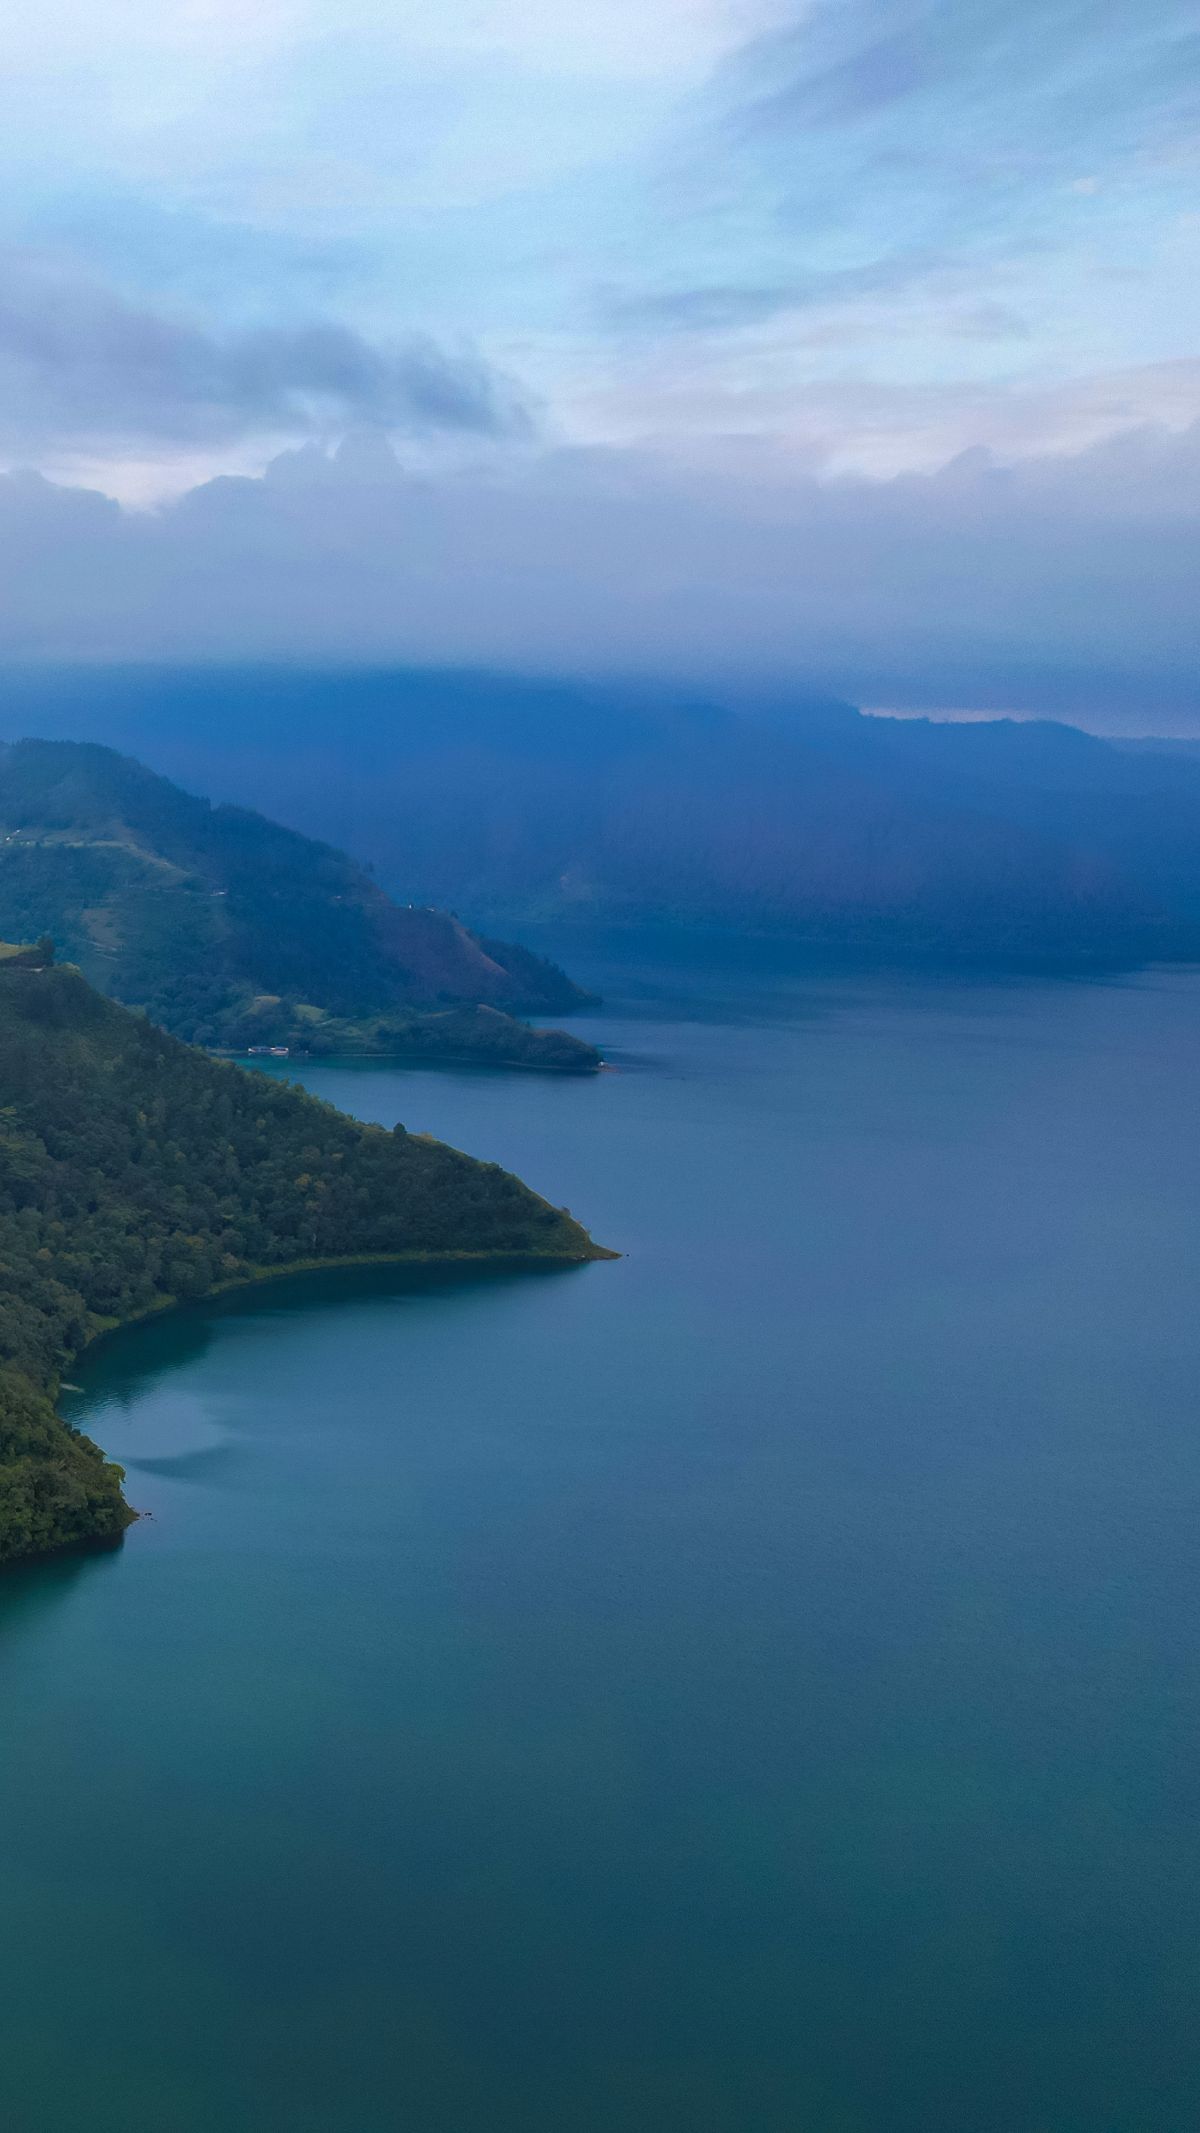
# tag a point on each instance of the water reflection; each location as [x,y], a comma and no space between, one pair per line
[698,974]
[177,1432]
[694,1696]
[28,1591]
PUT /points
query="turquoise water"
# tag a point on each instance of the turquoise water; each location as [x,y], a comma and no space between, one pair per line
[750,1687]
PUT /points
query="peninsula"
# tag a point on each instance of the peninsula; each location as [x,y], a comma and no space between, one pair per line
[136,1171]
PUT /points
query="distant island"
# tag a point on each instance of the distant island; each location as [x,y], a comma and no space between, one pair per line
[238,934]
[135,1172]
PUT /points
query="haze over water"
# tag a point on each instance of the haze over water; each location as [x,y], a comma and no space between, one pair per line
[746,1688]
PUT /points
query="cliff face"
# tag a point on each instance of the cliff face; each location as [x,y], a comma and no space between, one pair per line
[135,1170]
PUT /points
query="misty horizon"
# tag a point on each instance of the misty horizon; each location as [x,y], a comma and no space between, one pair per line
[848,347]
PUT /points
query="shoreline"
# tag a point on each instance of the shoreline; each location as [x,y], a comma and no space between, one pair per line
[408,1206]
[418,1059]
[258,1277]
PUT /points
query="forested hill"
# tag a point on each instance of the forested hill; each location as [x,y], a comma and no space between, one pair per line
[134,1169]
[231,930]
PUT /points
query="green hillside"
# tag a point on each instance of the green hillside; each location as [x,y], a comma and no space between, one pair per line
[231,931]
[135,1170]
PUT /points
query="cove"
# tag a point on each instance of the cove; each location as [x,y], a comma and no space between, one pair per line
[747,1687]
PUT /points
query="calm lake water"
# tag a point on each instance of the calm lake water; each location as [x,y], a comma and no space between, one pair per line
[747,1688]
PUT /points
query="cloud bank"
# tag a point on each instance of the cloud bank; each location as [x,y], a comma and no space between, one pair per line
[864,339]
[1055,584]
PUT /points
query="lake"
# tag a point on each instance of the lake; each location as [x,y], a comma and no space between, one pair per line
[748,1687]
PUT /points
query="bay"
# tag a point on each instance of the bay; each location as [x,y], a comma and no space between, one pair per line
[748,1687]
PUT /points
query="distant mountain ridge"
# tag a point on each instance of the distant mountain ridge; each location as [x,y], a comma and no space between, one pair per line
[515,801]
[230,930]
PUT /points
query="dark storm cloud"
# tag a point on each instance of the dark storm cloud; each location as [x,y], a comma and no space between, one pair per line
[80,362]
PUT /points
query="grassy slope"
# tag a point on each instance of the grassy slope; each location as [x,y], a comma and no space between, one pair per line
[135,1171]
[230,930]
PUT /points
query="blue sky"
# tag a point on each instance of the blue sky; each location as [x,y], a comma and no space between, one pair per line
[750,260]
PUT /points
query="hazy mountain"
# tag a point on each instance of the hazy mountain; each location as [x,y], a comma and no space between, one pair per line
[229,929]
[510,800]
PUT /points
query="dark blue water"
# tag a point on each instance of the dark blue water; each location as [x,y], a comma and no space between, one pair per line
[747,1688]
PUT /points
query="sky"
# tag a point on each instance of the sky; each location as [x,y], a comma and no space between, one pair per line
[843,341]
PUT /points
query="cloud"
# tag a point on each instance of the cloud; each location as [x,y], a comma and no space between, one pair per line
[1056,583]
[872,235]
[874,156]
[875,72]
[689,396]
[79,362]
[721,306]
[776,199]
[1086,66]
